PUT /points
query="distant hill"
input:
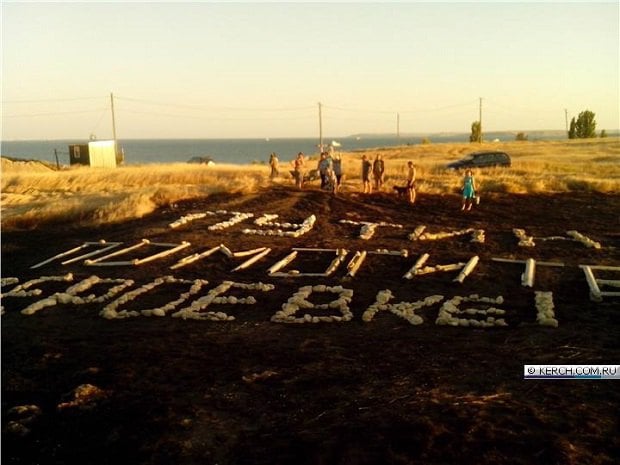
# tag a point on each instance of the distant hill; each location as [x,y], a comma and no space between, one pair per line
[550,134]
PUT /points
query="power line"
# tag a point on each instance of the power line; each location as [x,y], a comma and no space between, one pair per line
[517,109]
[26,115]
[447,107]
[53,100]
[103,113]
[206,107]
[356,110]
[391,112]
[214,118]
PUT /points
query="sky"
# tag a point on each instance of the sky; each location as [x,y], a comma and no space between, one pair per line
[236,70]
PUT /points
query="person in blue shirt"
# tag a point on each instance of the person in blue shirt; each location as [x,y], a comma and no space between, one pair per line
[325,163]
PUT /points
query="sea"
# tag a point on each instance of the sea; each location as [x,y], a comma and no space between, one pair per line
[235,151]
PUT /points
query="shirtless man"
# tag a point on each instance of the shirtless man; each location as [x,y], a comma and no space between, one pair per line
[299,163]
[411,181]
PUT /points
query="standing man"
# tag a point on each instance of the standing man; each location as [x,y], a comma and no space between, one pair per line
[322,167]
[274,163]
[411,181]
[378,170]
[366,169]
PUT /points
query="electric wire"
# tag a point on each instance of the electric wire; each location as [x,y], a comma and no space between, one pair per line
[53,100]
[103,113]
[214,118]
[27,115]
[206,107]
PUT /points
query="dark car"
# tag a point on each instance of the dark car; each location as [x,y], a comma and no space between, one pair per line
[481,160]
[201,160]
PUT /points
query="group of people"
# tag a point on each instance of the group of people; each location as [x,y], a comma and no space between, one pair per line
[330,171]
[372,171]
[376,171]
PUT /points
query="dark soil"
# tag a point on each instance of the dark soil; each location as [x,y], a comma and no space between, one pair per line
[251,391]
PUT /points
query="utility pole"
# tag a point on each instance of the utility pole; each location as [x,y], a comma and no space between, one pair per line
[480,121]
[113,119]
[118,153]
[566,120]
[320,127]
[398,126]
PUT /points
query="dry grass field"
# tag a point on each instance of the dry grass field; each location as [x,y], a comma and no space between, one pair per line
[33,195]
[537,167]
[95,196]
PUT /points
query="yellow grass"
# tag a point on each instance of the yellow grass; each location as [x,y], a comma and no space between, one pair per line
[94,196]
[537,167]
[32,195]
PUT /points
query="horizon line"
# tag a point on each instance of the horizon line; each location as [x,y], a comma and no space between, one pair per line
[361,134]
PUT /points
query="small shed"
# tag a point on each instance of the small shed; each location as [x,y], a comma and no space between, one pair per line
[99,153]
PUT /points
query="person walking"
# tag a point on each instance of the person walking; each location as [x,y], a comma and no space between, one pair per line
[338,171]
[299,166]
[378,170]
[366,170]
[323,166]
[469,190]
[411,173]
[274,163]
[331,183]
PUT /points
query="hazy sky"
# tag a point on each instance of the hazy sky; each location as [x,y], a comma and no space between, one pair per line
[210,70]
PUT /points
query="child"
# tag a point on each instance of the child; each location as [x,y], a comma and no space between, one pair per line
[469,190]
[338,171]
[331,183]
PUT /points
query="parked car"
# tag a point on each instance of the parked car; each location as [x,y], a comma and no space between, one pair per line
[481,160]
[202,160]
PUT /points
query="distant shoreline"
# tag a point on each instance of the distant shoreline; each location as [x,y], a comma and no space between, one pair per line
[537,134]
[250,151]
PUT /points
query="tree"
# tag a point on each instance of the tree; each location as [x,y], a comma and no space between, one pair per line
[521,136]
[603,133]
[573,130]
[584,127]
[476,132]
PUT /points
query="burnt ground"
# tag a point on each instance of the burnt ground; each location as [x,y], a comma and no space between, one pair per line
[251,391]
